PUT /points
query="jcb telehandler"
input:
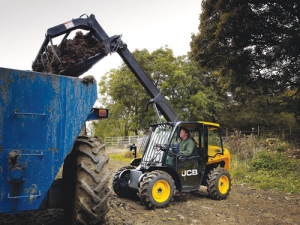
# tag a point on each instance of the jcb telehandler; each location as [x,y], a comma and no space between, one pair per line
[163,170]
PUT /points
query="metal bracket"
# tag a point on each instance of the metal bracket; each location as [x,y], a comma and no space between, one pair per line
[30,114]
[24,196]
[37,154]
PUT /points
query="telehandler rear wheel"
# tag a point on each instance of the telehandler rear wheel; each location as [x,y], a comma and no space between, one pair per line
[85,179]
[157,189]
[120,184]
[219,183]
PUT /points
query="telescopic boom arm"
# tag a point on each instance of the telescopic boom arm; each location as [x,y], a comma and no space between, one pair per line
[112,44]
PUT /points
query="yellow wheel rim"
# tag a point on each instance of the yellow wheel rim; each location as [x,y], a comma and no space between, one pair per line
[223,184]
[161,191]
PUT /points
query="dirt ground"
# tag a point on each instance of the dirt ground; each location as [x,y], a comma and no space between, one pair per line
[245,205]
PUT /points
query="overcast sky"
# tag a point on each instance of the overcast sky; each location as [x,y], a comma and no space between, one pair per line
[142,23]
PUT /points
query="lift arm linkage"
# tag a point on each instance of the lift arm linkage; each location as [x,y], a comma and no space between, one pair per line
[112,44]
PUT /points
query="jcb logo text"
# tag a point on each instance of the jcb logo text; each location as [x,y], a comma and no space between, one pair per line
[188,173]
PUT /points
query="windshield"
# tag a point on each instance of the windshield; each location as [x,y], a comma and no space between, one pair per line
[158,140]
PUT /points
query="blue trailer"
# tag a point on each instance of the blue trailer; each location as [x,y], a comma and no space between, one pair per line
[41,118]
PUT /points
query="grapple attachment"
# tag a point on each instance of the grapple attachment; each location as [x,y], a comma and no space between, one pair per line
[73,57]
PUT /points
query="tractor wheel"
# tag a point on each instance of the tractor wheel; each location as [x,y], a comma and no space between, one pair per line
[219,183]
[157,189]
[85,181]
[120,184]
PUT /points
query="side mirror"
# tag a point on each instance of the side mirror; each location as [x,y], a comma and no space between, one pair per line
[97,114]
[175,148]
[133,147]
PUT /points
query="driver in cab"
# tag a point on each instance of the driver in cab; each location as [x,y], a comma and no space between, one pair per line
[187,145]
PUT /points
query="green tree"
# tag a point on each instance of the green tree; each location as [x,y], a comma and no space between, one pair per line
[176,77]
[263,111]
[253,45]
[126,100]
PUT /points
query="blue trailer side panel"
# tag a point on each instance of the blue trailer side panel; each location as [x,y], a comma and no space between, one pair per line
[41,116]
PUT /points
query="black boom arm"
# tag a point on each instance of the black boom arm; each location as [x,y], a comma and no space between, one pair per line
[112,44]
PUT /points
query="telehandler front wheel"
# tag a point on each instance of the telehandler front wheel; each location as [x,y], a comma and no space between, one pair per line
[120,183]
[219,183]
[85,182]
[157,189]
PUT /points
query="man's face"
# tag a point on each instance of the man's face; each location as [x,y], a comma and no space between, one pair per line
[183,134]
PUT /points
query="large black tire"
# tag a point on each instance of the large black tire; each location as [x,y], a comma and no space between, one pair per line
[219,183]
[85,179]
[120,184]
[157,189]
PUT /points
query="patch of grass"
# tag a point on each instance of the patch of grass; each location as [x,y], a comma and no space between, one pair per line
[125,156]
[120,157]
[238,169]
[244,147]
[279,146]
[268,170]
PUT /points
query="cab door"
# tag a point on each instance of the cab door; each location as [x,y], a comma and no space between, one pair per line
[189,171]
[190,167]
